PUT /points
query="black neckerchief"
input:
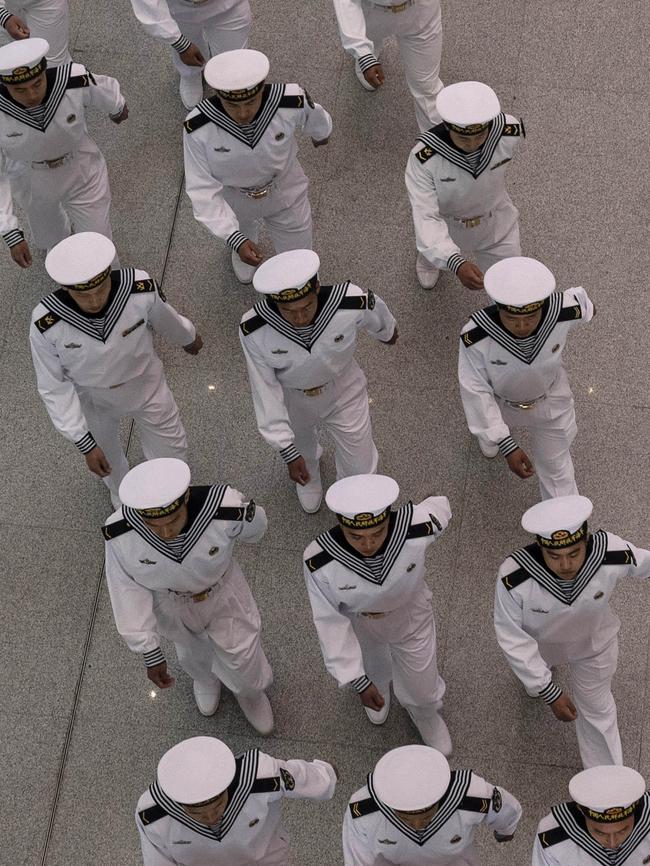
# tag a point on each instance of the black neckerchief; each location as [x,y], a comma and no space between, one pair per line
[328,306]
[528,348]
[213,109]
[439,139]
[57,82]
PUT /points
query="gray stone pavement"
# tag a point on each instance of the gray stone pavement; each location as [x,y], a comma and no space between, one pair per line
[80,735]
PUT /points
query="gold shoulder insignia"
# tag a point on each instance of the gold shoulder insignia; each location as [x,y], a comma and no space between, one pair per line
[515,129]
[425,154]
[46,321]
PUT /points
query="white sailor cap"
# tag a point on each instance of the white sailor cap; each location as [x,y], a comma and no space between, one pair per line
[22,60]
[559,522]
[411,778]
[288,276]
[607,793]
[156,487]
[362,501]
[81,262]
[467,106]
[196,771]
[520,285]
[237,75]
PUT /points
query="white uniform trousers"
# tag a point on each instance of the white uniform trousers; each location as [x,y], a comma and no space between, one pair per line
[285,211]
[551,425]
[496,237]
[75,195]
[596,725]
[218,637]
[211,28]
[418,30]
[47,19]
[148,400]
[342,409]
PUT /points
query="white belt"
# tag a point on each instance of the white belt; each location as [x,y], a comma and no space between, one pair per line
[523,404]
[397,7]
[258,191]
[42,164]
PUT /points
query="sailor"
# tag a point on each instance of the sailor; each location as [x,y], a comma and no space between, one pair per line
[196,30]
[371,603]
[241,163]
[209,807]
[299,342]
[455,178]
[417,26]
[511,373]
[170,572]
[552,608]
[415,811]
[48,161]
[607,822]
[95,361]
[41,19]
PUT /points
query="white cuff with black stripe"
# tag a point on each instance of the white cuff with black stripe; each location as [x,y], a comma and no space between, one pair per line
[290,453]
[550,693]
[367,61]
[181,44]
[14,237]
[454,262]
[507,446]
[86,443]
[5,15]
[153,657]
[235,240]
[361,684]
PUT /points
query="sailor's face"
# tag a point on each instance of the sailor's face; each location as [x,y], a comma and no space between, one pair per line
[169,527]
[300,313]
[566,563]
[209,813]
[469,143]
[92,300]
[520,325]
[610,836]
[30,94]
[418,820]
[366,541]
[243,112]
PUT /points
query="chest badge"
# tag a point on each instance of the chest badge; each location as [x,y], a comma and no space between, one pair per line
[646,859]
[338,338]
[348,586]
[410,567]
[499,363]
[212,551]
[14,134]
[455,839]
[538,610]
[130,330]
[147,561]
[599,594]
[254,822]
[279,136]
[72,345]
[555,347]
[222,150]
[386,842]
[279,351]
[71,118]
[447,179]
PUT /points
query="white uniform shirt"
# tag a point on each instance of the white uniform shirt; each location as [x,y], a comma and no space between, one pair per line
[538,625]
[250,830]
[340,584]
[219,154]
[492,362]
[139,564]
[373,835]
[71,89]
[563,840]
[277,358]
[67,351]
[441,184]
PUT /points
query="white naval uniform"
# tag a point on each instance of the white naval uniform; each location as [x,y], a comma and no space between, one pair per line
[494,367]
[212,25]
[447,190]
[373,835]
[539,625]
[250,831]
[282,370]
[563,840]
[46,19]
[225,161]
[89,381]
[151,583]
[398,640]
[74,192]
[418,29]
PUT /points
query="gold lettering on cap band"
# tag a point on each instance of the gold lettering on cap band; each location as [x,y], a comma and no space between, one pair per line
[471,129]
[90,284]
[22,74]
[609,816]
[365,520]
[522,311]
[563,538]
[241,95]
[162,511]
[295,294]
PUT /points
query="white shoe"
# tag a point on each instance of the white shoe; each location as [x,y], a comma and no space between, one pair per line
[434,732]
[489,451]
[378,717]
[310,496]
[191,90]
[257,709]
[361,77]
[243,272]
[207,695]
[426,273]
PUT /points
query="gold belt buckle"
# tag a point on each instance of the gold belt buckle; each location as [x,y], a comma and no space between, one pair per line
[400,7]
[313,392]
[201,596]
[526,405]
[472,222]
[55,163]
[258,193]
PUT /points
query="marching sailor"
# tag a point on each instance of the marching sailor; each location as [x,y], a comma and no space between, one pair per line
[209,807]
[241,163]
[606,822]
[47,159]
[371,604]
[43,19]
[196,30]
[552,608]
[417,26]
[170,571]
[299,342]
[95,361]
[455,179]
[414,810]
[511,373]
